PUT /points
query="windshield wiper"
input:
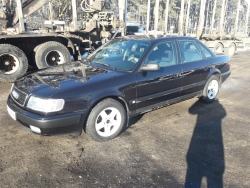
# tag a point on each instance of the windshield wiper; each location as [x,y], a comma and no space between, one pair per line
[105,64]
[85,61]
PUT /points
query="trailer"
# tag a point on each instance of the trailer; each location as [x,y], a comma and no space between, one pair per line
[218,42]
[57,43]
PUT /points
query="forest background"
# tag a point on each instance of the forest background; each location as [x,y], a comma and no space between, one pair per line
[137,13]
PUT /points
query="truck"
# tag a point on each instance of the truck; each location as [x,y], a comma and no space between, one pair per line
[55,44]
[218,42]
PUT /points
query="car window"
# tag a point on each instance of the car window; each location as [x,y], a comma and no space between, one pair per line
[119,54]
[189,51]
[164,54]
[205,51]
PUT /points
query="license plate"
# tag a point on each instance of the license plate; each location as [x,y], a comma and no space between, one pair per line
[11,113]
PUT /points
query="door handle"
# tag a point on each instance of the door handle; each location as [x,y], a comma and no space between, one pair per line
[206,68]
[177,75]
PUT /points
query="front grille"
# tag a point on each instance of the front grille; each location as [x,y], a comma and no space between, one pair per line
[18,96]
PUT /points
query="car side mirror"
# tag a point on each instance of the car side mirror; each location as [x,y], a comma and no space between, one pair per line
[150,67]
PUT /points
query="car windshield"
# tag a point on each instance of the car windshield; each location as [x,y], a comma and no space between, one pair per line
[119,54]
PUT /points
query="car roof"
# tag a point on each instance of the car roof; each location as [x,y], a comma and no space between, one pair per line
[153,39]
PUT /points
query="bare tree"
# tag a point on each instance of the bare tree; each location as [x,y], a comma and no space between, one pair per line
[187,18]
[222,19]
[148,12]
[201,19]
[181,18]
[247,18]
[156,16]
[212,22]
[166,16]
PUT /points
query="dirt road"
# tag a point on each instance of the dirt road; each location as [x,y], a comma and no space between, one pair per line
[170,147]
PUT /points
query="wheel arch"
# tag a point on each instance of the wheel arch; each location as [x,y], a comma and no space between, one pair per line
[115,97]
[216,72]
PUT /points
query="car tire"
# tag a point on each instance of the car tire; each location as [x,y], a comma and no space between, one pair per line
[13,63]
[50,54]
[211,89]
[106,120]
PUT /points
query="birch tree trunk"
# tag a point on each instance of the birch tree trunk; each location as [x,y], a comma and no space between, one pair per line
[156,17]
[212,22]
[201,19]
[148,12]
[166,17]
[187,18]
[181,18]
[222,19]
[247,18]
[237,19]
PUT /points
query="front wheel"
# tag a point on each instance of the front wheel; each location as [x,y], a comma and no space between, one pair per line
[211,89]
[106,120]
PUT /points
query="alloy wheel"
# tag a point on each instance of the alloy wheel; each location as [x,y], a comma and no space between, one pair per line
[212,89]
[108,122]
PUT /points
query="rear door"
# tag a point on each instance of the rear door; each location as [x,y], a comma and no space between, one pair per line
[156,88]
[195,67]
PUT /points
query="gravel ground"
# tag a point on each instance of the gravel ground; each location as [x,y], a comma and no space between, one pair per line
[170,147]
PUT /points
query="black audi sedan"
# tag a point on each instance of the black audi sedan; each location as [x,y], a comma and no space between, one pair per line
[125,77]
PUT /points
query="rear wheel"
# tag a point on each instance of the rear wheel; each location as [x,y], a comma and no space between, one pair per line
[51,54]
[211,89]
[13,63]
[106,120]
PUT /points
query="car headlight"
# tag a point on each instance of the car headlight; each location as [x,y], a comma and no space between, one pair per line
[45,105]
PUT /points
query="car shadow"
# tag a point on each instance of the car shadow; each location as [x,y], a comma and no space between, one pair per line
[205,156]
[131,122]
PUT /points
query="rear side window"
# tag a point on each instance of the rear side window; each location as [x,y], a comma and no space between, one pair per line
[189,51]
[205,51]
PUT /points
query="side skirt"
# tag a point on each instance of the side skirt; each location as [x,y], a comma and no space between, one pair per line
[164,104]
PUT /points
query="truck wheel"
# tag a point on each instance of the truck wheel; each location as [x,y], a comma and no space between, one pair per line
[51,54]
[13,63]
[218,49]
[211,89]
[106,120]
[231,49]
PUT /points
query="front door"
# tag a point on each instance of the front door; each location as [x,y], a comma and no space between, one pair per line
[156,88]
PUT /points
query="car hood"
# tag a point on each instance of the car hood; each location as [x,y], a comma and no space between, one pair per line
[67,75]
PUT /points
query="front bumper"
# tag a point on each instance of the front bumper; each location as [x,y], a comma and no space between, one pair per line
[71,123]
